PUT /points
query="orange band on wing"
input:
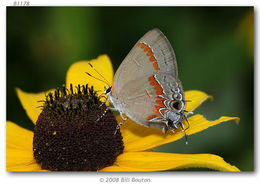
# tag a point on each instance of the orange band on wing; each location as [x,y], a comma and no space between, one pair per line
[156,109]
[159,101]
[150,54]
[157,87]
[152,59]
[155,66]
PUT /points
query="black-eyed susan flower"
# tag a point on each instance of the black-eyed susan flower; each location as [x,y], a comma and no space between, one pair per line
[70,135]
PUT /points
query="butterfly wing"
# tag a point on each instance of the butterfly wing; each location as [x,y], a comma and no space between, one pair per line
[152,53]
[149,97]
[142,78]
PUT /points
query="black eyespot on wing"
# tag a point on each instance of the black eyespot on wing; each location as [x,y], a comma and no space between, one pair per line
[177,105]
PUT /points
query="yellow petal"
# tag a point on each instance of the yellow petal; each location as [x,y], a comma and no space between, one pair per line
[195,98]
[199,123]
[77,73]
[140,138]
[20,161]
[117,168]
[19,149]
[18,137]
[156,161]
[31,104]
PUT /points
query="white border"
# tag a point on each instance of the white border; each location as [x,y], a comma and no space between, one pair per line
[168,178]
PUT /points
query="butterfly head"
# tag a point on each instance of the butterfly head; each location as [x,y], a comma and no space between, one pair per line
[108,90]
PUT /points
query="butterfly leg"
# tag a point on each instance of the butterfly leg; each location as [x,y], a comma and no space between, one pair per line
[104,113]
[113,109]
[183,130]
[121,123]
[103,102]
[110,108]
[121,114]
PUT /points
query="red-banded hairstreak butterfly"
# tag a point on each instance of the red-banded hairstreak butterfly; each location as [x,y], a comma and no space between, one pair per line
[146,87]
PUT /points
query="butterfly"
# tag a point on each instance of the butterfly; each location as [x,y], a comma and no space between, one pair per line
[146,87]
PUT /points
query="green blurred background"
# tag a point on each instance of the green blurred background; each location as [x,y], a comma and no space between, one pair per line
[214,49]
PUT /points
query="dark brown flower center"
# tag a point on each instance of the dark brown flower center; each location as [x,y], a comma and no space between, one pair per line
[71,134]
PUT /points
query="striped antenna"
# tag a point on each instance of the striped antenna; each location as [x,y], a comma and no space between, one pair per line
[99,74]
[97,78]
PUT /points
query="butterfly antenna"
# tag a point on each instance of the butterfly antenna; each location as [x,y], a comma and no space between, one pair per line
[99,74]
[98,79]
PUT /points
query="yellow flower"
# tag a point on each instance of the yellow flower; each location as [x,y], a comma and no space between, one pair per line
[137,140]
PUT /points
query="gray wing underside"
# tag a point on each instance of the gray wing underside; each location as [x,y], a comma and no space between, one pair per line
[137,64]
[131,85]
[138,100]
[139,105]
